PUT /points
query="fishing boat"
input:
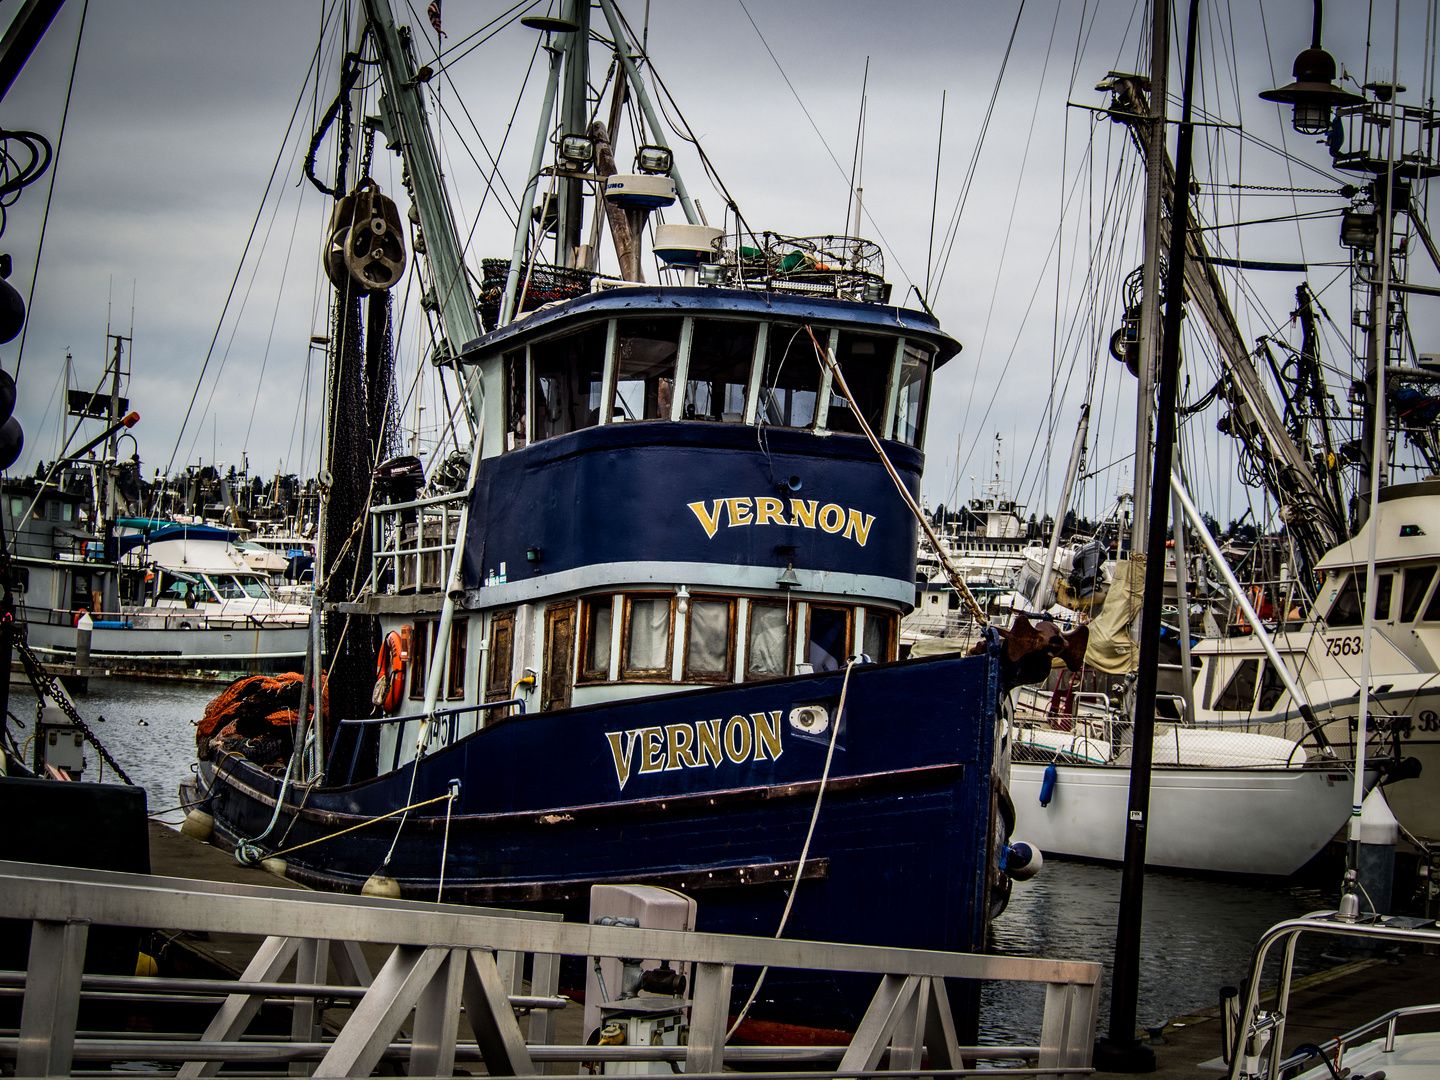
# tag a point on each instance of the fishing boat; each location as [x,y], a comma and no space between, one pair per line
[653,635]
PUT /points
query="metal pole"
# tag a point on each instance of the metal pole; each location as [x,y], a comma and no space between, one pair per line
[508,303]
[1150,297]
[1077,450]
[657,133]
[1182,597]
[1121,1051]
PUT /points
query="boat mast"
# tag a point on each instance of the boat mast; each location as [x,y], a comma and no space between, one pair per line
[574,120]
[402,111]
[1155,162]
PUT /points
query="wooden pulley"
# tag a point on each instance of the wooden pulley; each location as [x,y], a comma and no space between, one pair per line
[340,219]
[375,246]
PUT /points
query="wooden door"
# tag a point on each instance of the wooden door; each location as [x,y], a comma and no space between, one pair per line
[558,675]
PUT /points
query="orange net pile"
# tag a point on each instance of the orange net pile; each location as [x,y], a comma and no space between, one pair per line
[255,717]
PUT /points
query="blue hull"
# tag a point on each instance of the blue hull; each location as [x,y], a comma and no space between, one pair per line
[551,803]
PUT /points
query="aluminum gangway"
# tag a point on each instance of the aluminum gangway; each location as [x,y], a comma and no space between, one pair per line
[444,958]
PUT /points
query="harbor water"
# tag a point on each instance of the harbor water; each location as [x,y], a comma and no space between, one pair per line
[1198,931]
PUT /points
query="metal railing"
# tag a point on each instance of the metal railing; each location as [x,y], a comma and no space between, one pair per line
[410,542]
[1247,1043]
[444,957]
[447,729]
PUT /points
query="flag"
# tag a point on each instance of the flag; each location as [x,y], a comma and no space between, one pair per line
[434,12]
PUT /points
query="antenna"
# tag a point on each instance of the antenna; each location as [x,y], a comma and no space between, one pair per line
[855,158]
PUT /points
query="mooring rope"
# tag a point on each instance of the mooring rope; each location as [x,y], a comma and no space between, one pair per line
[363,824]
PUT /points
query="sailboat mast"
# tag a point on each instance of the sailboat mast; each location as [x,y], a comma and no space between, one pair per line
[1150,297]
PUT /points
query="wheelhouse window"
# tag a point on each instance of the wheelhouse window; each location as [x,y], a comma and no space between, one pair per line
[790,385]
[595,641]
[515,425]
[419,651]
[865,361]
[568,381]
[645,357]
[709,643]
[767,641]
[1239,692]
[459,634]
[1384,587]
[879,636]
[1271,687]
[910,395]
[721,354]
[647,637]
[1347,610]
[829,637]
[1417,581]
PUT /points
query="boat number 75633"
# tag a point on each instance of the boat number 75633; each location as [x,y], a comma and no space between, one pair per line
[1343,646]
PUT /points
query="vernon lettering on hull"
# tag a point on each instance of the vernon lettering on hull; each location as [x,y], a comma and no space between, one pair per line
[695,745]
[768,510]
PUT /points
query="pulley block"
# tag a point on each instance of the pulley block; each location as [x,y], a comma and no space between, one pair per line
[366,248]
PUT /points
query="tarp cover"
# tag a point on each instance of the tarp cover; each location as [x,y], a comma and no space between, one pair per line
[1111,649]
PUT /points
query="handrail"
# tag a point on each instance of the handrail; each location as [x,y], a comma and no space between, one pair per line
[415,504]
[445,955]
[1320,922]
[439,713]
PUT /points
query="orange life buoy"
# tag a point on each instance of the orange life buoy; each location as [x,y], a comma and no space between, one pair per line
[390,672]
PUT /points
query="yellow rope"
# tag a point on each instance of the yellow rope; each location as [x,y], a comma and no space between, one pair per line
[363,824]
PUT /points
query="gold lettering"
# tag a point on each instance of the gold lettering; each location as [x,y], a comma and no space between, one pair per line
[681,739]
[858,528]
[709,518]
[736,750]
[707,738]
[769,511]
[767,735]
[652,748]
[803,513]
[622,749]
[739,510]
[832,518]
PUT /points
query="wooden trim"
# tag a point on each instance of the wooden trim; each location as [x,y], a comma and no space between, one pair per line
[419,658]
[789,657]
[722,676]
[660,674]
[849,613]
[552,664]
[584,674]
[459,640]
[501,661]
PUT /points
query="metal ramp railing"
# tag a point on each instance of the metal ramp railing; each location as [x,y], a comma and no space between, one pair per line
[444,957]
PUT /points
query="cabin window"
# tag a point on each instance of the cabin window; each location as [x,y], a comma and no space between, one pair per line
[1432,609]
[17,509]
[502,655]
[708,640]
[647,637]
[459,633]
[767,645]
[865,361]
[419,651]
[879,634]
[1346,611]
[1239,692]
[556,680]
[1417,581]
[595,640]
[790,387]
[645,369]
[829,637]
[1271,687]
[514,400]
[721,354]
[1384,588]
[568,377]
[910,395]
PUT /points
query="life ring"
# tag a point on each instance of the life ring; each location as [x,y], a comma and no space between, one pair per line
[390,672]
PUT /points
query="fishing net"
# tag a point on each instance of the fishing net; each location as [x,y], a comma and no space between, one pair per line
[255,717]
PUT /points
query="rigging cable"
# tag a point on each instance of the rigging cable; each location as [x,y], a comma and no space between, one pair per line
[50,193]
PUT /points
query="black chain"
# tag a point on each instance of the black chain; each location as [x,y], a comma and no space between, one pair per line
[45,684]
[349,75]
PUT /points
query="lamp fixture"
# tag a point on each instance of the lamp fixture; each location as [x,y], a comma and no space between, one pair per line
[1313,93]
[654,159]
[682,600]
[576,149]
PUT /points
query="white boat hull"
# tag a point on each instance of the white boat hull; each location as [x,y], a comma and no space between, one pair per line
[1240,821]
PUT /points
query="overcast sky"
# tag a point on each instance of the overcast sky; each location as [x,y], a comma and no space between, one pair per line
[179,110]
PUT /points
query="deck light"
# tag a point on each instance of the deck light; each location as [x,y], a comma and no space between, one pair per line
[1313,94]
[654,159]
[577,149]
[712,273]
[682,600]
[1358,229]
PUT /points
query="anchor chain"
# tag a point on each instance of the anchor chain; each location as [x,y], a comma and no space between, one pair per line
[45,684]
